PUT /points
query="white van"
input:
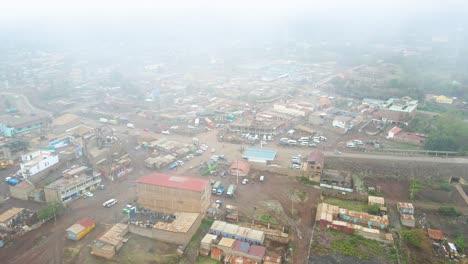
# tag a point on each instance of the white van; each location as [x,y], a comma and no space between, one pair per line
[110,203]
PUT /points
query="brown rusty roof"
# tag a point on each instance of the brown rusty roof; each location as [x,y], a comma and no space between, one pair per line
[316,156]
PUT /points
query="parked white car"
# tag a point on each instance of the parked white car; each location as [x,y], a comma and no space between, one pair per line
[165,132]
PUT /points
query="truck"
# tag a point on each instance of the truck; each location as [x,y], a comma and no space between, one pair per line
[215,187]
[220,190]
[231,189]
[209,123]
[11,181]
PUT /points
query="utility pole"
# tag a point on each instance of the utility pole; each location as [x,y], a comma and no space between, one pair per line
[55,215]
[237,171]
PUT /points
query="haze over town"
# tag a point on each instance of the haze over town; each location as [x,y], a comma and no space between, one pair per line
[233,132]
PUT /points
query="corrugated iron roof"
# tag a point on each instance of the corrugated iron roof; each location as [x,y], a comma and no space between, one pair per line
[10,213]
[316,156]
[174,181]
[435,234]
[395,130]
[75,229]
[87,221]
[241,246]
[226,242]
[257,250]
[240,165]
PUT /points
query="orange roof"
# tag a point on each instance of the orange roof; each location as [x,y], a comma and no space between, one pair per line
[435,234]
[215,252]
[395,130]
[240,165]
[324,101]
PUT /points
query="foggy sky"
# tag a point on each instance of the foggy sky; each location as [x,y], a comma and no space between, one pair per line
[211,20]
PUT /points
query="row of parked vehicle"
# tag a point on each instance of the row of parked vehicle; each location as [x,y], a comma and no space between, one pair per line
[303,141]
[354,143]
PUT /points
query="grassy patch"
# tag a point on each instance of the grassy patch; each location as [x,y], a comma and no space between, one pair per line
[347,204]
[414,187]
[268,219]
[206,260]
[306,180]
[358,246]
[204,227]
[448,211]
[444,186]
[401,145]
[69,254]
[434,107]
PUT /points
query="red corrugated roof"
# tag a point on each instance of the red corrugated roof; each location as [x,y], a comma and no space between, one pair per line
[240,165]
[257,250]
[324,101]
[316,156]
[85,222]
[435,234]
[395,130]
[215,252]
[174,181]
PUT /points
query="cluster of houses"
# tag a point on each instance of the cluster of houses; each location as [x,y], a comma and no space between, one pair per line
[353,222]
[166,152]
[230,243]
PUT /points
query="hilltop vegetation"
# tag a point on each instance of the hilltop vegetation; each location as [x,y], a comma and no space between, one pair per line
[449,133]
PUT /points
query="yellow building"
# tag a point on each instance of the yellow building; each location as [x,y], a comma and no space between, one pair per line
[442,99]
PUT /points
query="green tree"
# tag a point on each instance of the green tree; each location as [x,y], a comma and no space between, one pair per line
[449,133]
[373,209]
[460,243]
[50,210]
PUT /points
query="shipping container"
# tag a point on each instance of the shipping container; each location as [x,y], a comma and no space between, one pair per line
[80,228]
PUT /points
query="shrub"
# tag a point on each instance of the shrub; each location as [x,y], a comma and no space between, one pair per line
[448,211]
[373,209]
[460,243]
[413,237]
[445,187]
[306,180]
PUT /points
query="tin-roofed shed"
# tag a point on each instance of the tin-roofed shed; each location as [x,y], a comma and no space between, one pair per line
[256,237]
[217,227]
[230,230]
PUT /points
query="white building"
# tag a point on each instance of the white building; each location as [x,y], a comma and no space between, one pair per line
[288,110]
[68,188]
[343,122]
[37,161]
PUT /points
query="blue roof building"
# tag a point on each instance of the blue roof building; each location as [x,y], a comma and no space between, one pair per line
[261,155]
